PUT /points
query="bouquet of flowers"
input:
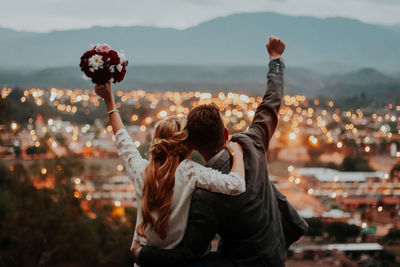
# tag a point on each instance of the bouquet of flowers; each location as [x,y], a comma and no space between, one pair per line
[101,64]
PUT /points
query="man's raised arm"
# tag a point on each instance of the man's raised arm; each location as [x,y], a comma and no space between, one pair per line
[266,116]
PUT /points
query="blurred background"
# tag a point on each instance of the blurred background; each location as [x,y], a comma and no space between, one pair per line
[65,197]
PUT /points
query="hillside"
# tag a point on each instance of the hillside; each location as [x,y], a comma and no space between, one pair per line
[250,79]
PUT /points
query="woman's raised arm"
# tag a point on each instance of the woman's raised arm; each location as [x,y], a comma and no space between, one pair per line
[127,151]
[105,92]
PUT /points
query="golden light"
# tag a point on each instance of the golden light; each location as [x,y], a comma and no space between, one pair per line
[43,171]
[37,144]
[333,195]
[77,194]
[88,144]
[331,104]
[117,203]
[339,144]
[380,209]
[367,149]
[292,136]
[162,114]
[313,140]
[137,143]
[109,128]
[290,168]
[310,191]
[297,180]
[134,117]
[291,179]
[148,120]
[364,225]
[77,181]
[12,168]
[120,167]
[88,197]
[14,126]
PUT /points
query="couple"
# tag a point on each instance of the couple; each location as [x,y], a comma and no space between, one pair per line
[182,205]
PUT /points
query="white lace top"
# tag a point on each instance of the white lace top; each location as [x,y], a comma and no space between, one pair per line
[188,176]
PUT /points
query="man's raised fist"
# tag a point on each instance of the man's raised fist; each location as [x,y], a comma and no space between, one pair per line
[275,47]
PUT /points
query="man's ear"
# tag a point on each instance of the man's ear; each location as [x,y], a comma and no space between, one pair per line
[226,134]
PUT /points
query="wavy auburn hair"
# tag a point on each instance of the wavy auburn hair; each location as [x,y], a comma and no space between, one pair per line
[168,148]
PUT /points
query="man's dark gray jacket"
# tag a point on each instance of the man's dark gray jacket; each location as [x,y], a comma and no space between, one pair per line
[249,224]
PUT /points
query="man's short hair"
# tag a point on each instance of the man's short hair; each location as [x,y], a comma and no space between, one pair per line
[206,128]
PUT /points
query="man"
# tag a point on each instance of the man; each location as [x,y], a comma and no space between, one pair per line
[250,224]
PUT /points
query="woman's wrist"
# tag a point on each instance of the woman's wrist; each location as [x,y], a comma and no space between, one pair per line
[110,103]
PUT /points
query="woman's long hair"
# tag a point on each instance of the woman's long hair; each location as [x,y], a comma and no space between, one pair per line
[168,148]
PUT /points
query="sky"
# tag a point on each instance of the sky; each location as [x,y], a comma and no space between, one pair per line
[49,15]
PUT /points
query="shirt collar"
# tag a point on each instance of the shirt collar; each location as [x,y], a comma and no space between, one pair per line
[211,161]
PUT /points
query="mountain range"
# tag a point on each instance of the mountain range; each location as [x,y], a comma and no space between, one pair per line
[328,45]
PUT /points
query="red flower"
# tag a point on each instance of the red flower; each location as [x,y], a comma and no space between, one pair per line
[103,73]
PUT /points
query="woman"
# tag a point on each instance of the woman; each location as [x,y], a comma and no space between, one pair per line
[165,183]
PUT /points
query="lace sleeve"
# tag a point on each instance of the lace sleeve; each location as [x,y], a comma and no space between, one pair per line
[213,180]
[134,163]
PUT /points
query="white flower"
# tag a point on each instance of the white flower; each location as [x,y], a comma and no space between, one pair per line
[92,46]
[91,69]
[112,69]
[96,62]
[85,77]
[119,67]
[112,80]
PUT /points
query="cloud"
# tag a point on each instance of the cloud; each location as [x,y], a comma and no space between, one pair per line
[46,15]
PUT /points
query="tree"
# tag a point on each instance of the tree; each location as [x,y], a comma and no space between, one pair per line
[393,236]
[356,163]
[42,227]
[341,231]
[315,227]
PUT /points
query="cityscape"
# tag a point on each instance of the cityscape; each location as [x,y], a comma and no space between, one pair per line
[338,165]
